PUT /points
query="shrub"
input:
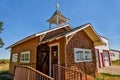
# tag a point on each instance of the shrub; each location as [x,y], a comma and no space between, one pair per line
[4,61]
[5,75]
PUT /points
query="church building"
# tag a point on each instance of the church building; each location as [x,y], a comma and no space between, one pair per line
[57,50]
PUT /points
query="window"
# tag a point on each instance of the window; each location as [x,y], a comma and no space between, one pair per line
[14,57]
[82,55]
[25,56]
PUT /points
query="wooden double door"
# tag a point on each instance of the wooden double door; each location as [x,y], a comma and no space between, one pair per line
[46,58]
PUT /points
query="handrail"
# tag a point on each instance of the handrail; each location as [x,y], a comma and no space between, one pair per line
[68,68]
[29,64]
[64,73]
[29,70]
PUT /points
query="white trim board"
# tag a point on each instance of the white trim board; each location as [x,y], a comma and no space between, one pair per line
[51,45]
[38,34]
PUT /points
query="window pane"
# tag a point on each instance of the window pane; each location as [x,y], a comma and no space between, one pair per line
[79,56]
[22,58]
[14,57]
[82,56]
[27,57]
[88,55]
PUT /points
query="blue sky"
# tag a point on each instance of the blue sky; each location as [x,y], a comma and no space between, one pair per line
[25,17]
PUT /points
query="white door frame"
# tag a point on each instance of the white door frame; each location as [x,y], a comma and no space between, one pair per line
[51,45]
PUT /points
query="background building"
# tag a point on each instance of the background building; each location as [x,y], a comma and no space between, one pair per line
[102,53]
[114,54]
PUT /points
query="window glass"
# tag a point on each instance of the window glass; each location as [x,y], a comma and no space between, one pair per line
[25,56]
[14,57]
[79,55]
[82,55]
[88,55]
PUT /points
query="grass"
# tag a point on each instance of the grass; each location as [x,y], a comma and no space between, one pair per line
[4,67]
[107,76]
[4,64]
[117,62]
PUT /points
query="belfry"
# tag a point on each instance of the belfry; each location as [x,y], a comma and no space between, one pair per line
[57,18]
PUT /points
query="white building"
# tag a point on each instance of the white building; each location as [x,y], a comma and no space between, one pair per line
[102,54]
[114,54]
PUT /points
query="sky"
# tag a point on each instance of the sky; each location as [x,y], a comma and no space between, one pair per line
[22,18]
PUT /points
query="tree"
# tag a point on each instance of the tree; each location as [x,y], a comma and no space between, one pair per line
[1,41]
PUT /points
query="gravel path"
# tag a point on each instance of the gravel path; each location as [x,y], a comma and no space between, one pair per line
[110,69]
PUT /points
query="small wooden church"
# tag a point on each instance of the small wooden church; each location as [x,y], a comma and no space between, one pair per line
[59,51]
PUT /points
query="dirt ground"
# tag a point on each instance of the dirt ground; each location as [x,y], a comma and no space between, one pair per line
[110,69]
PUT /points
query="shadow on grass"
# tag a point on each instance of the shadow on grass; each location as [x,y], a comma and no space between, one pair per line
[5,75]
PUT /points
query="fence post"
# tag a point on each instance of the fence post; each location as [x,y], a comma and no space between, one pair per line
[74,75]
[28,73]
[53,71]
[14,72]
[80,76]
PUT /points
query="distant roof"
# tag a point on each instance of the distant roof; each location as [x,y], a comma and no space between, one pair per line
[103,37]
[114,50]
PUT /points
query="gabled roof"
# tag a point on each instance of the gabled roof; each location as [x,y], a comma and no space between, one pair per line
[88,30]
[38,34]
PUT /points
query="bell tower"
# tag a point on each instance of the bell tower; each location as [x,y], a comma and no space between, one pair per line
[57,18]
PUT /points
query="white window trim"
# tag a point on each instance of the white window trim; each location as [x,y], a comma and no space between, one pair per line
[13,60]
[79,49]
[26,52]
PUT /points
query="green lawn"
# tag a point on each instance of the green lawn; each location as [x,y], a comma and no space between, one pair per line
[117,62]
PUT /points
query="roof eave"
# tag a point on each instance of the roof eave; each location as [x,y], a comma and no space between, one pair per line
[35,35]
[21,41]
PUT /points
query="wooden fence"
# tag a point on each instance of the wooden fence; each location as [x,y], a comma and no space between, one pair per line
[28,73]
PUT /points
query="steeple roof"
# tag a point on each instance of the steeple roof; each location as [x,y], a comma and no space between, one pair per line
[57,17]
